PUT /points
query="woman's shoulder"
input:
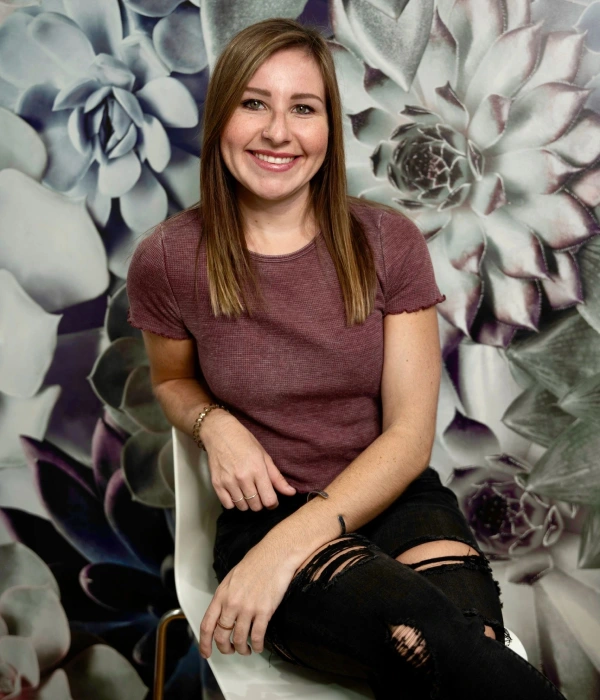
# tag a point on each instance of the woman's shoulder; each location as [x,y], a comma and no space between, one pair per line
[379,221]
[181,231]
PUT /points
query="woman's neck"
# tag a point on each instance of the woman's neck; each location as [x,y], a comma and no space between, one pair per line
[273,226]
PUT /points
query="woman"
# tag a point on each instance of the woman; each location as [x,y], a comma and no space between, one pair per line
[292,331]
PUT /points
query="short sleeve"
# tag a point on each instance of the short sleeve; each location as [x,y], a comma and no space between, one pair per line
[152,304]
[409,278]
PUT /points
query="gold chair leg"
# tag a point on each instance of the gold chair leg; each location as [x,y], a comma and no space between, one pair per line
[161,650]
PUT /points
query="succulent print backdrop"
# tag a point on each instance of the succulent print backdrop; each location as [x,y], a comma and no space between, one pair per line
[479,119]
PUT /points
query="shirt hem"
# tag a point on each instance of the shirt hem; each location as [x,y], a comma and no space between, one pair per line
[413,309]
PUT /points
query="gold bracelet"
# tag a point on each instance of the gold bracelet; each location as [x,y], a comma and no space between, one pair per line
[196,428]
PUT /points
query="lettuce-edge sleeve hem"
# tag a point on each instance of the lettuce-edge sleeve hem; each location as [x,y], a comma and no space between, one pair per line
[413,309]
[157,331]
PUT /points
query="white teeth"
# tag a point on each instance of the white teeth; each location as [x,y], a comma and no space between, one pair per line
[271,159]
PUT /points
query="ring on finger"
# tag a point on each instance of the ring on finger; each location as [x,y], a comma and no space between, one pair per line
[247,498]
[238,500]
[225,627]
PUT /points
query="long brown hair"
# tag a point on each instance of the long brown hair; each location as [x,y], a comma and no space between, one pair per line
[229,265]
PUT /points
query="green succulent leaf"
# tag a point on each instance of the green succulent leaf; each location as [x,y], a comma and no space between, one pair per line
[113,367]
[116,317]
[122,420]
[589,544]
[565,352]
[535,415]
[140,460]
[589,264]
[583,400]
[569,470]
[140,404]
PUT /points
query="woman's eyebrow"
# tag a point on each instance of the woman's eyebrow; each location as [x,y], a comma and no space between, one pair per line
[295,96]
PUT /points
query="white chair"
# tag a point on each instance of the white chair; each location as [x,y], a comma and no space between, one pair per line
[238,676]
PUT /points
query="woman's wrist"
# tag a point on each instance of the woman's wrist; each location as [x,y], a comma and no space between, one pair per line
[210,422]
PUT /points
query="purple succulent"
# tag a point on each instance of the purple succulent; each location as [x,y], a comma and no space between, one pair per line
[507,520]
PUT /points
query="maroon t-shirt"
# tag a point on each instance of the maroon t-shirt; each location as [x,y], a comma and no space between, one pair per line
[305,385]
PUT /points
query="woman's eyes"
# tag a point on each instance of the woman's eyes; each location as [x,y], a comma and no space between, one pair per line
[255,106]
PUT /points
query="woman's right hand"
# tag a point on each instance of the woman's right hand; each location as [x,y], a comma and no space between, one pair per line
[239,465]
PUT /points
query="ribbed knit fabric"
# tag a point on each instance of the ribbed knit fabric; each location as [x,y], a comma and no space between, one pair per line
[303,383]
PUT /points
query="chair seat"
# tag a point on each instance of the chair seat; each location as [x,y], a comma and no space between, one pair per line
[253,676]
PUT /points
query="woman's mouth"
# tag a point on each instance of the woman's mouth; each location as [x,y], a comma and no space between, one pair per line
[273,163]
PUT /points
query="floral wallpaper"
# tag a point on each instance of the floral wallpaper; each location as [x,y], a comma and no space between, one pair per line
[479,119]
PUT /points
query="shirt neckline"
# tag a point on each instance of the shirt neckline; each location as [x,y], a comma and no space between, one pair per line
[286,256]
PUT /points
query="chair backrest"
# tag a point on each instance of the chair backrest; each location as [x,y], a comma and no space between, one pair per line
[255,676]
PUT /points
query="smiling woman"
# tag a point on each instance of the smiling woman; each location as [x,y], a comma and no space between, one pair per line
[327,387]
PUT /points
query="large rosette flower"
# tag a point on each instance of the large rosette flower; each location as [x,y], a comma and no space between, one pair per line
[476,134]
[105,106]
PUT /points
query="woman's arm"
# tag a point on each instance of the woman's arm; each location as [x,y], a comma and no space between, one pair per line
[372,482]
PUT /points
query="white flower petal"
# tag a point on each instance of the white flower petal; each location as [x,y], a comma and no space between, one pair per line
[342,28]
[506,66]
[488,194]
[581,144]
[463,289]
[55,687]
[170,101]
[430,220]
[380,193]
[560,60]
[541,116]
[178,41]
[384,91]
[139,54]
[563,288]
[115,177]
[350,74]
[181,178]
[589,262]
[517,13]
[559,219]
[156,143]
[109,70]
[153,8]
[22,417]
[76,94]
[49,243]
[475,24]
[130,104]
[101,21]
[532,170]
[587,188]
[20,566]
[145,205]
[20,146]
[395,47]
[515,301]
[513,247]
[360,178]
[222,20]
[19,653]
[62,40]
[450,108]
[36,613]
[22,61]
[100,672]
[373,125]
[29,335]
[439,63]
[125,144]
[489,121]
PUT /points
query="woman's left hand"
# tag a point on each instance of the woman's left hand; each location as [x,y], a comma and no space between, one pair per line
[248,596]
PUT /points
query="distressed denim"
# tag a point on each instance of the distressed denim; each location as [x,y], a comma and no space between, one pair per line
[412,631]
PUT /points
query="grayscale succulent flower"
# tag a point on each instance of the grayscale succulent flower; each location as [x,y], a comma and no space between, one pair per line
[104,103]
[477,130]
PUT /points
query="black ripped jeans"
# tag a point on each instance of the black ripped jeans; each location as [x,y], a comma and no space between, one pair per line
[412,631]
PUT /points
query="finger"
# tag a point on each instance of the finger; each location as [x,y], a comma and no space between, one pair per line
[250,491]
[240,634]
[226,499]
[222,636]
[278,480]
[207,627]
[266,491]
[258,631]
[237,498]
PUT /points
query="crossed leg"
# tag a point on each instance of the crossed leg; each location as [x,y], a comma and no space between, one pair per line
[437,553]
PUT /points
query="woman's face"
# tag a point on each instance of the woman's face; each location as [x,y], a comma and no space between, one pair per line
[276,139]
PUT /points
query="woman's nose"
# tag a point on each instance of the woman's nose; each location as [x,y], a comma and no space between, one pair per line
[277,128]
